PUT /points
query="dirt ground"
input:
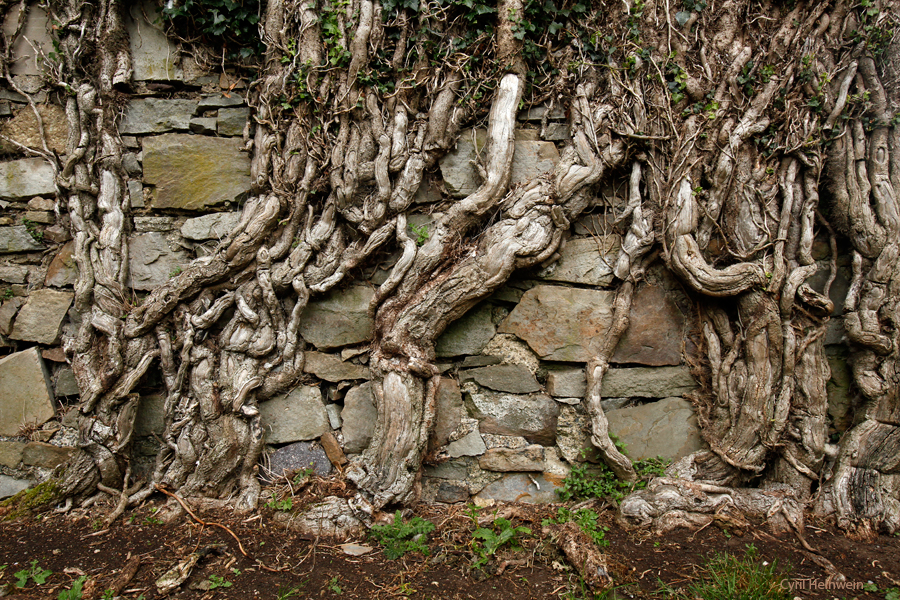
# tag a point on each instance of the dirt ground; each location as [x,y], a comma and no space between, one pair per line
[285,564]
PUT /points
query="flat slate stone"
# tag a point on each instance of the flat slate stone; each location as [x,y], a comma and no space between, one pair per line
[10,486]
[193,172]
[359,416]
[296,416]
[214,226]
[39,320]
[11,454]
[566,382]
[64,383]
[231,121]
[45,456]
[221,101]
[531,416]
[25,393]
[531,158]
[588,261]
[157,115]
[62,270]
[330,367]
[529,458]
[656,331]
[151,415]
[13,273]
[35,33]
[467,335]
[153,259]
[666,428]
[340,318]
[8,312]
[470,444]
[153,55]
[24,178]
[647,382]
[515,379]
[449,412]
[302,455]
[520,487]
[23,129]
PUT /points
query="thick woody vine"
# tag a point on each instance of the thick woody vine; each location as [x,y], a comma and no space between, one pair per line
[746,131]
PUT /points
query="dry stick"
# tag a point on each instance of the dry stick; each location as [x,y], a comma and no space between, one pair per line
[213,524]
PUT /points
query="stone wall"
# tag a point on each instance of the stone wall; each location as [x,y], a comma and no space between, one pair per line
[510,422]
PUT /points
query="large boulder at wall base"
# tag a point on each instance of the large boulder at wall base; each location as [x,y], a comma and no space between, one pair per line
[26,396]
[194,172]
[297,457]
[666,428]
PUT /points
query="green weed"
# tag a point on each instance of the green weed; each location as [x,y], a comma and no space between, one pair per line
[73,593]
[586,519]
[486,542]
[398,538]
[35,573]
[217,581]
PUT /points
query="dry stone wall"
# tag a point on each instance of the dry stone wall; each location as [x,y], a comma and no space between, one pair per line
[509,424]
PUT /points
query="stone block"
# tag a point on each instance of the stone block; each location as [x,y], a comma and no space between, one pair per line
[231,121]
[449,413]
[24,178]
[221,101]
[10,486]
[529,458]
[587,261]
[62,270]
[522,487]
[214,226]
[203,125]
[573,436]
[136,193]
[153,55]
[34,35]
[656,331]
[666,428]
[25,393]
[11,454]
[566,382]
[39,216]
[64,383]
[296,416]
[330,367]
[467,335]
[157,115]
[8,312]
[13,273]
[515,379]
[39,320]
[297,457]
[194,172]
[154,223]
[45,456]
[23,129]
[531,416]
[340,318]
[531,158]
[153,259]
[470,444]
[151,415]
[359,416]
[659,382]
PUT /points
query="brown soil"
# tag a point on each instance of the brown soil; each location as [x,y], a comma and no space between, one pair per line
[76,544]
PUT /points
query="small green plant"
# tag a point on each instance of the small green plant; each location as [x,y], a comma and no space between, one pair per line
[601,482]
[151,518]
[728,576]
[892,594]
[73,593]
[486,542]
[285,504]
[33,230]
[217,581]
[175,272]
[420,232]
[334,586]
[7,293]
[303,474]
[398,538]
[586,519]
[35,573]
[108,594]
[286,593]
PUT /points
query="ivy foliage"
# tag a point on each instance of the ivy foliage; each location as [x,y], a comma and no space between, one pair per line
[230,25]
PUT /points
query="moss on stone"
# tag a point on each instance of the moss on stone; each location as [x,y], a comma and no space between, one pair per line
[28,500]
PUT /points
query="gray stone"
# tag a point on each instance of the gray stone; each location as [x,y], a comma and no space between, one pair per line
[4,109]
[155,223]
[659,382]
[63,270]
[299,456]
[10,486]
[193,172]
[656,331]
[25,393]
[214,226]
[529,458]
[157,115]
[153,259]
[449,413]
[24,178]
[39,320]
[136,193]
[359,416]
[203,125]
[520,487]
[513,351]
[11,454]
[153,55]
[666,428]
[65,384]
[296,416]
[8,312]
[341,318]
[532,416]
[557,132]
[45,456]
[467,335]
[13,273]
[840,398]
[23,130]
[39,216]
[536,113]
[479,361]
[221,101]
[531,158]
[560,323]
[470,444]
[515,379]
[588,261]
[573,436]
[33,42]
[151,415]
[231,121]
[334,415]
[330,367]
[566,382]
[452,469]
[38,203]
[131,164]
[450,492]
